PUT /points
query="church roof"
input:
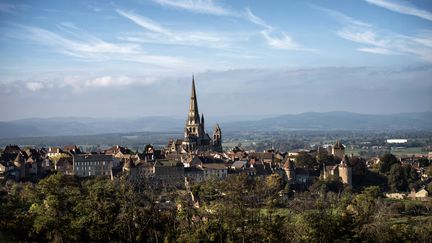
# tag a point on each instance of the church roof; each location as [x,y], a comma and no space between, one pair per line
[217,127]
[338,145]
[193,106]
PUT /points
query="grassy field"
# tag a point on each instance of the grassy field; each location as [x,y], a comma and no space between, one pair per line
[398,152]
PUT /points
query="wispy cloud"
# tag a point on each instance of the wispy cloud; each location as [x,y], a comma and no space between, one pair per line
[77,83]
[383,42]
[197,6]
[88,47]
[273,37]
[112,81]
[282,42]
[255,19]
[402,8]
[376,50]
[144,22]
[160,35]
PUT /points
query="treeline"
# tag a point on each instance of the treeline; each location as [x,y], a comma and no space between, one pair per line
[237,209]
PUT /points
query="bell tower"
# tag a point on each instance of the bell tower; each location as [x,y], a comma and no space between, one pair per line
[217,138]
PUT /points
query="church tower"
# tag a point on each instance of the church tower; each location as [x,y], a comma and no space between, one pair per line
[289,170]
[194,127]
[345,171]
[217,138]
[195,137]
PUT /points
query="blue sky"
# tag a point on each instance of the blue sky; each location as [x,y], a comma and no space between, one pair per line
[136,58]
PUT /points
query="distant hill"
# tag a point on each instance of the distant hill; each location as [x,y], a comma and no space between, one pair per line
[86,126]
[339,120]
[304,121]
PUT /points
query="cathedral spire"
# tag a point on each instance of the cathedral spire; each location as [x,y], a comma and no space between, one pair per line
[193,106]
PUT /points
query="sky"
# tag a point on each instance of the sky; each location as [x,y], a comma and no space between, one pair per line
[136,58]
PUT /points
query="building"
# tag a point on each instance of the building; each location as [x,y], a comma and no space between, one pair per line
[338,150]
[345,171]
[195,136]
[289,170]
[342,170]
[54,151]
[397,141]
[92,165]
[169,171]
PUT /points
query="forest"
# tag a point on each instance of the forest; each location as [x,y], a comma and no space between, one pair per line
[239,208]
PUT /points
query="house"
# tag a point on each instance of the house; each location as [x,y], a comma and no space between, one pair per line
[19,167]
[6,168]
[54,151]
[305,176]
[239,165]
[421,194]
[266,157]
[194,174]
[72,149]
[85,165]
[175,146]
[215,170]
[395,195]
[169,171]
[118,151]
[31,166]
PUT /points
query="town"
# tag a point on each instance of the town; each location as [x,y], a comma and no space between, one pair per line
[216,121]
[187,164]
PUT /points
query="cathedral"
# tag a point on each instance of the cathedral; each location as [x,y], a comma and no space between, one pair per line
[195,137]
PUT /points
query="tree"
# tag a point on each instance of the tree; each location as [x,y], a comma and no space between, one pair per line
[306,160]
[397,178]
[332,183]
[424,162]
[358,166]
[412,177]
[363,205]
[387,161]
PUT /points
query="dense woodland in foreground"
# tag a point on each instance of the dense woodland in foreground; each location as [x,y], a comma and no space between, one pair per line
[238,209]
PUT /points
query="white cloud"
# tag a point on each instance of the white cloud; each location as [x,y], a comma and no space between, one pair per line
[282,42]
[383,42]
[256,20]
[161,35]
[110,81]
[144,22]
[377,50]
[274,39]
[362,36]
[197,6]
[402,8]
[75,84]
[92,48]
[34,86]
